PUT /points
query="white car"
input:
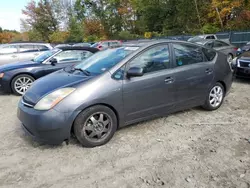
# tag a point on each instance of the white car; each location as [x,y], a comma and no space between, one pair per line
[15,52]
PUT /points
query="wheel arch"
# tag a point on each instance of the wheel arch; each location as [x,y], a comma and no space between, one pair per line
[18,74]
[224,85]
[96,104]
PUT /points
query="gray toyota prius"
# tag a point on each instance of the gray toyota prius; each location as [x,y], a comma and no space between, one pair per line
[122,86]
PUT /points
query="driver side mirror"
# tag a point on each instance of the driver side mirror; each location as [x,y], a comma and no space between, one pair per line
[135,72]
[53,61]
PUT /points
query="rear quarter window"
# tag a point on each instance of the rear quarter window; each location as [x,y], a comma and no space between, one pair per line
[209,54]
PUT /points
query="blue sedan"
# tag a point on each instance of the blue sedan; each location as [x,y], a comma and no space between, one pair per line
[18,77]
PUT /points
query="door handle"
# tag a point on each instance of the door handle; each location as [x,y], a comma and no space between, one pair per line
[209,71]
[169,80]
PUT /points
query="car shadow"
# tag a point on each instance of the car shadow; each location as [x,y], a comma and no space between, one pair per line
[242,80]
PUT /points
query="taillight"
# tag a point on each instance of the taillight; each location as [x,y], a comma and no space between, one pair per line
[236,49]
[99,47]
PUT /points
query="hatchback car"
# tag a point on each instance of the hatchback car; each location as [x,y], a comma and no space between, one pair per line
[118,87]
[18,77]
[221,46]
[10,53]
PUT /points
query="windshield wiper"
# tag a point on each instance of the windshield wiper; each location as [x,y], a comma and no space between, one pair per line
[87,73]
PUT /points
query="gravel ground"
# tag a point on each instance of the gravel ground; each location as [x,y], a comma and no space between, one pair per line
[194,148]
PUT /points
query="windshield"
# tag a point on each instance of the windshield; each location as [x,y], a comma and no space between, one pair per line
[41,58]
[105,60]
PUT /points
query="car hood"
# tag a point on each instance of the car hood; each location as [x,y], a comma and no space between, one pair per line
[50,83]
[12,66]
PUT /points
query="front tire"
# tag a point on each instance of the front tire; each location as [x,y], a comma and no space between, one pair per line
[21,83]
[95,126]
[215,97]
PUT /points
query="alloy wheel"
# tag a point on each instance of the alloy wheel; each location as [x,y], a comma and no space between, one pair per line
[216,96]
[22,84]
[97,127]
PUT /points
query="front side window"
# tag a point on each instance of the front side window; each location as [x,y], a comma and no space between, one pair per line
[187,54]
[72,55]
[152,60]
[41,58]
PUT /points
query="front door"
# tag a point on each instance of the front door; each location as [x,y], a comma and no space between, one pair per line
[153,93]
[193,74]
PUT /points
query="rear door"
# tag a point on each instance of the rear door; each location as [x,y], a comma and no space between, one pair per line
[193,74]
[8,54]
[65,59]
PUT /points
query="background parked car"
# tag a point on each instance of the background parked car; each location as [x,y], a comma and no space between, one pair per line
[21,51]
[18,77]
[243,48]
[115,87]
[221,46]
[83,44]
[204,37]
[241,65]
[102,45]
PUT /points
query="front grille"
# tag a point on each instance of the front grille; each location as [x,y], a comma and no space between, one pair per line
[244,63]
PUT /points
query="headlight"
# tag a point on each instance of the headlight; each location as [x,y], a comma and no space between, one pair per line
[52,99]
[1,75]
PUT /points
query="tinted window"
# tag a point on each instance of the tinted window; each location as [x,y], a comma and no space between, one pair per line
[209,54]
[210,37]
[72,55]
[187,54]
[154,59]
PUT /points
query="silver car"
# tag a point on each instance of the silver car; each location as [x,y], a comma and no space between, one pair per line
[221,46]
[15,52]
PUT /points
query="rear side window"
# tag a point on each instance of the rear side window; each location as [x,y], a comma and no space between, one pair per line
[42,48]
[27,48]
[220,44]
[209,54]
[187,54]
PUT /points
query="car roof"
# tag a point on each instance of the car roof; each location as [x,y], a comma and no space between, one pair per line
[64,48]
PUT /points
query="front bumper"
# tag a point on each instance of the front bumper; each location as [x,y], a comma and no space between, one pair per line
[49,127]
[242,72]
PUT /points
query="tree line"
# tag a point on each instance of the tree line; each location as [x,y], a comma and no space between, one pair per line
[60,21]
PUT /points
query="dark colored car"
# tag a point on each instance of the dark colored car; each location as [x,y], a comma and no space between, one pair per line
[241,65]
[18,77]
[117,87]
[221,46]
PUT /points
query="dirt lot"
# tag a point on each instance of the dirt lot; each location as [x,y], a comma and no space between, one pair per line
[194,148]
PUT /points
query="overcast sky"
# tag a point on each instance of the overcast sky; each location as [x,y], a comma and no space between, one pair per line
[11,13]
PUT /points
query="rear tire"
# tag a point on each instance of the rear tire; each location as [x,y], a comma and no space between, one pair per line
[21,83]
[95,126]
[215,97]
